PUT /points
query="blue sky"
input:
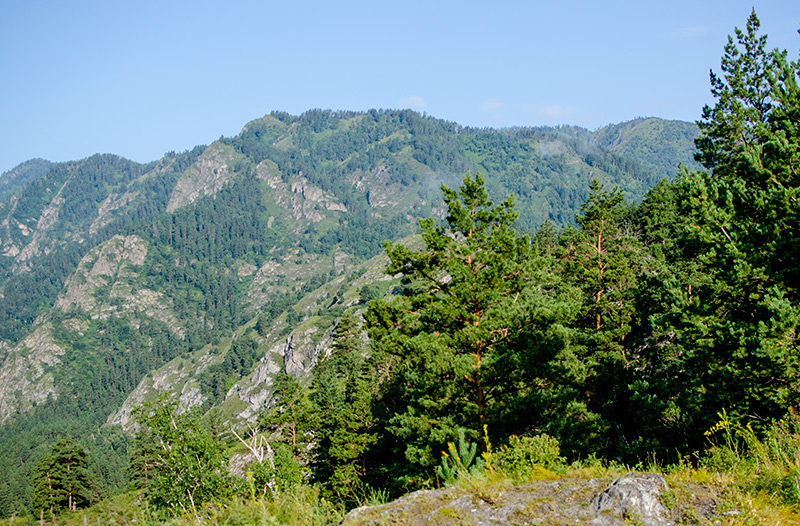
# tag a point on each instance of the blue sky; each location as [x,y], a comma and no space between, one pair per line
[141,78]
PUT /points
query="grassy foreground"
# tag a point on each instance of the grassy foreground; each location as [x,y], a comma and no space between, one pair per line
[746,479]
[737,502]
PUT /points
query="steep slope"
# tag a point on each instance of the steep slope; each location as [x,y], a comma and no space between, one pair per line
[224,226]
[660,144]
[15,180]
[53,221]
[119,281]
[291,342]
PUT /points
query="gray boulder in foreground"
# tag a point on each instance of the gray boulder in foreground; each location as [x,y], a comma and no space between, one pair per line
[631,497]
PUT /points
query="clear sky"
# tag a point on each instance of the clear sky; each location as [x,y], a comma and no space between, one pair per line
[141,78]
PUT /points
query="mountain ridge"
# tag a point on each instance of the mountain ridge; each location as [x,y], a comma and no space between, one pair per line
[205,272]
[314,210]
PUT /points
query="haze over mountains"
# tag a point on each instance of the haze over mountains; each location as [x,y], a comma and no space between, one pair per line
[203,273]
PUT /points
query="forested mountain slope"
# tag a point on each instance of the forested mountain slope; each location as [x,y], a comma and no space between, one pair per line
[206,272]
[224,327]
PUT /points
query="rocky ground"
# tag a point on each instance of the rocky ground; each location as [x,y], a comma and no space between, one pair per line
[630,499]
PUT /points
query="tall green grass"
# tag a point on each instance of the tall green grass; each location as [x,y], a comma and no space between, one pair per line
[766,464]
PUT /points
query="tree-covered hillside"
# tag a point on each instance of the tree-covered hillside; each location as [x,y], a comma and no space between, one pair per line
[206,273]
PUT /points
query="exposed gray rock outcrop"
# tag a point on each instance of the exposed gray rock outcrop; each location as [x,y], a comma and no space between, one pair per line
[631,497]
[25,376]
[206,176]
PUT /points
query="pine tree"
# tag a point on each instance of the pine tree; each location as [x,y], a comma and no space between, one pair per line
[62,479]
[732,314]
[744,98]
[602,257]
[476,333]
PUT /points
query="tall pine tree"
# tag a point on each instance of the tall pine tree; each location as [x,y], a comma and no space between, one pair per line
[62,479]
[728,319]
[477,332]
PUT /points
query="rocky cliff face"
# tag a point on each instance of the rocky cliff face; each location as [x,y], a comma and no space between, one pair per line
[178,378]
[205,177]
[324,188]
[47,220]
[25,377]
[103,286]
[290,349]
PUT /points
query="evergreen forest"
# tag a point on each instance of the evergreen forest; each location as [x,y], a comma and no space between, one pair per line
[341,308]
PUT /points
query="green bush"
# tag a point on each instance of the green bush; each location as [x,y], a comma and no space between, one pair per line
[460,461]
[522,455]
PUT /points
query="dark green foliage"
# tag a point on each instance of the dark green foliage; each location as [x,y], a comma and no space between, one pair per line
[26,294]
[601,258]
[343,387]
[263,323]
[62,479]
[291,414]
[25,439]
[112,357]
[237,362]
[367,293]
[480,323]
[143,459]
[722,316]
[744,98]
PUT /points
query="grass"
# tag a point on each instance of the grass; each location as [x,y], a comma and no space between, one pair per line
[746,479]
[302,508]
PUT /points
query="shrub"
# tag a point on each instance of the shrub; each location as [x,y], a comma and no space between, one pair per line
[767,463]
[521,456]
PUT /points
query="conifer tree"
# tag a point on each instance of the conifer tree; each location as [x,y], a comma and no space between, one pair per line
[729,319]
[342,393]
[744,98]
[477,331]
[62,479]
[601,257]
[291,414]
[143,457]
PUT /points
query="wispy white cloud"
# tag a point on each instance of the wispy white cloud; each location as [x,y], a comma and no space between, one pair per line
[556,111]
[492,105]
[694,31]
[414,102]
